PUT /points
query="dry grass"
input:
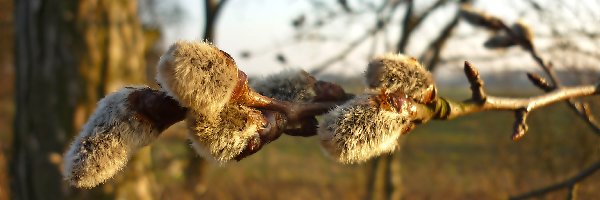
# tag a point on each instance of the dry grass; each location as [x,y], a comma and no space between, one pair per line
[468,158]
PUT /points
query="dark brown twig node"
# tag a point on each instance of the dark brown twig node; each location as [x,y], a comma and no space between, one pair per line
[540,82]
[520,127]
[478,94]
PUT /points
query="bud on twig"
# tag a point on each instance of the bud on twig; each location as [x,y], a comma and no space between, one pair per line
[539,81]
[520,127]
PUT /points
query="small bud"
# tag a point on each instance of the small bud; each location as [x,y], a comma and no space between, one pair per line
[114,132]
[294,85]
[524,32]
[224,138]
[363,128]
[396,73]
[199,75]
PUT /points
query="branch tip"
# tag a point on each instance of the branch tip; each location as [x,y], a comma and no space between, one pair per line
[520,127]
[478,94]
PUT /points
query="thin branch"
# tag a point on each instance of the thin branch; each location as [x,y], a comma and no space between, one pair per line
[407,27]
[379,25]
[212,8]
[539,82]
[448,109]
[527,44]
[502,103]
[410,22]
[432,55]
[569,183]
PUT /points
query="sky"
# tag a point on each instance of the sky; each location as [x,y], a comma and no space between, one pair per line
[262,29]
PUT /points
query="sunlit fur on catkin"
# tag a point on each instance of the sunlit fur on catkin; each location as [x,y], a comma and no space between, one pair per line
[224,138]
[198,75]
[294,85]
[399,73]
[359,130]
[110,136]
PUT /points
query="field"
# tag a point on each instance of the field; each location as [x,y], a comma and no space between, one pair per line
[467,158]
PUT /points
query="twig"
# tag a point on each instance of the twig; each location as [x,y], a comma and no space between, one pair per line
[410,22]
[540,82]
[478,95]
[381,23]
[569,183]
[432,55]
[448,109]
[577,107]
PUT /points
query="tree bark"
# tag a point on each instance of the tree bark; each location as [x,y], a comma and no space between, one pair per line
[68,55]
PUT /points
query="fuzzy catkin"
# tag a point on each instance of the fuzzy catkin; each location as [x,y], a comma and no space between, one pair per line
[294,85]
[359,130]
[397,73]
[109,138]
[199,75]
[225,137]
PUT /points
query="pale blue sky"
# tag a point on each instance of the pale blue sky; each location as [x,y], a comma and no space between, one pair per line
[263,27]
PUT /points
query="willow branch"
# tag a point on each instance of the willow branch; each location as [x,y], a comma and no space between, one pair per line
[449,109]
[569,183]
[581,109]
[503,103]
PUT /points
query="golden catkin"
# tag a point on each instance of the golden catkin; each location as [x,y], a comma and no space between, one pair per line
[223,138]
[109,138]
[359,129]
[397,73]
[199,75]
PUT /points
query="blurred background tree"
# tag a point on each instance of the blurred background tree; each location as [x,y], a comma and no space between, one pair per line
[69,54]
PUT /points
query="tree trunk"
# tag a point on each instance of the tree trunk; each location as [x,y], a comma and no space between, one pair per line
[68,55]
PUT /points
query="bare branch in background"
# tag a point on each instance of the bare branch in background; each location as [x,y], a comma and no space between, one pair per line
[411,22]
[570,184]
[448,109]
[432,55]
[379,25]
[522,34]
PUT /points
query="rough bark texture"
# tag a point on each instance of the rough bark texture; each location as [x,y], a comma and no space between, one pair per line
[68,55]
